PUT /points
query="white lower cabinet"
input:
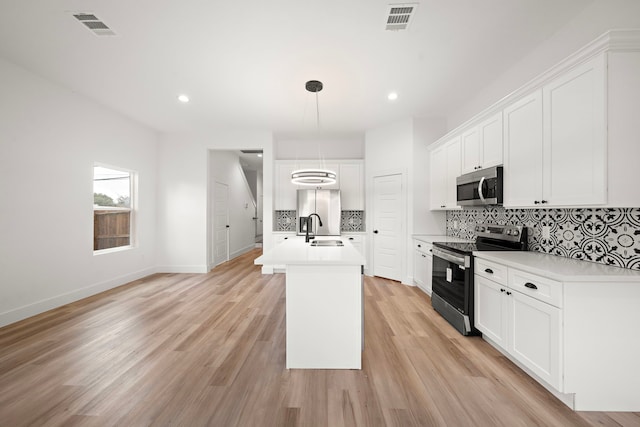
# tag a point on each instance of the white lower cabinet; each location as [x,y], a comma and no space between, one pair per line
[422,265]
[533,338]
[528,329]
[357,240]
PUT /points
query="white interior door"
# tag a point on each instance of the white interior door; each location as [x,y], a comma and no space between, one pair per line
[220,223]
[387,226]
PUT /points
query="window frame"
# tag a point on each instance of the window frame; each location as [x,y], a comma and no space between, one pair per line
[132,209]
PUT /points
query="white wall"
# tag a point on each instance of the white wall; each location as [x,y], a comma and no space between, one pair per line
[184,226]
[595,20]
[398,148]
[224,167]
[50,138]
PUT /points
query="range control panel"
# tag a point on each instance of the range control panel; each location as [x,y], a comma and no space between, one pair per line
[501,232]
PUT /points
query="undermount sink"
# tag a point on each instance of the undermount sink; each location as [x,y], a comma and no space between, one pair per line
[327,243]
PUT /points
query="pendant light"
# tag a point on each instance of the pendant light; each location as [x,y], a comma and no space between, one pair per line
[314,176]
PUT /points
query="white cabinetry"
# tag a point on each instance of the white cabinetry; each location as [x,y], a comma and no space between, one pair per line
[523,151]
[422,265]
[555,141]
[522,324]
[286,198]
[445,168]
[357,240]
[482,145]
[575,140]
[350,181]
[351,186]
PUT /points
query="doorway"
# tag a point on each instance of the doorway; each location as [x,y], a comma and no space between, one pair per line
[388,226]
[221,223]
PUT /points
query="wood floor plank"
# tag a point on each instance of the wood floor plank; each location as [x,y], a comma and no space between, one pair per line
[209,349]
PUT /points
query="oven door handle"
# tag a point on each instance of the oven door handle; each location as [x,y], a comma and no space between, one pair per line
[480,190]
[448,257]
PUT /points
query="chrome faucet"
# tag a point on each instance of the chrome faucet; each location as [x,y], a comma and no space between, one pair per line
[308,220]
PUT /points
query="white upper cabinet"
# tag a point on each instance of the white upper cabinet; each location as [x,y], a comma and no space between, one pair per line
[490,132]
[445,163]
[567,138]
[438,178]
[471,152]
[556,143]
[523,151]
[482,145]
[351,186]
[285,190]
[575,140]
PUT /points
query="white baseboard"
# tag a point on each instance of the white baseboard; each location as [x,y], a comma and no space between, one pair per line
[21,313]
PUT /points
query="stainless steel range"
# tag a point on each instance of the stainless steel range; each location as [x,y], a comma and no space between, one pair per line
[452,279]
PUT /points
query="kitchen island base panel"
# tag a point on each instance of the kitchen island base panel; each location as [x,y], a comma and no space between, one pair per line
[324,320]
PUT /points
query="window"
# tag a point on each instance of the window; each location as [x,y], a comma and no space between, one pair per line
[112,207]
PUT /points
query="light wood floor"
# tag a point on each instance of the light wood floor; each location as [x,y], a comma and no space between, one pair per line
[208,350]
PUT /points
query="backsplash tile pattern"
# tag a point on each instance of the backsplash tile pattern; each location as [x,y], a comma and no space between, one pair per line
[350,221]
[285,220]
[608,236]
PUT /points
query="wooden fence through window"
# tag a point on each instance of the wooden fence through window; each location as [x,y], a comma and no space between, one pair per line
[111,228]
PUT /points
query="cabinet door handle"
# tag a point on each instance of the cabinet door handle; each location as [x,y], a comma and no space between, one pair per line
[424,256]
[502,290]
[350,238]
[508,293]
[419,246]
[488,270]
[536,202]
[530,285]
[375,231]
[544,201]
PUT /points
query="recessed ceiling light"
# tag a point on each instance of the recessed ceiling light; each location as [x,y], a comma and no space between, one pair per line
[183,98]
[392,96]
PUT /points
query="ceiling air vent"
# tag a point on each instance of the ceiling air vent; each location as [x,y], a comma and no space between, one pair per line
[399,16]
[92,22]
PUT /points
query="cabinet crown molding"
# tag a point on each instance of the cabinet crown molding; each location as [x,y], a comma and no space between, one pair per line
[615,40]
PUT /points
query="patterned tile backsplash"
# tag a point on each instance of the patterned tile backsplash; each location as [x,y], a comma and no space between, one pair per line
[350,221]
[608,236]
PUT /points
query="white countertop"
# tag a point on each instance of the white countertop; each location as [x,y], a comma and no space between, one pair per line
[430,238]
[560,268]
[297,252]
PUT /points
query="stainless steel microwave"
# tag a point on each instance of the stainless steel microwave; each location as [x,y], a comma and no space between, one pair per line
[481,187]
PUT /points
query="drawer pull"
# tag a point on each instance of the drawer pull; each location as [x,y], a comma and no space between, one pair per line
[419,246]
[488,270]
[350,238]
[530,285]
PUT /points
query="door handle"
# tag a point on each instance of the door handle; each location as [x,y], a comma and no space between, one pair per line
[227,226]
[375,231]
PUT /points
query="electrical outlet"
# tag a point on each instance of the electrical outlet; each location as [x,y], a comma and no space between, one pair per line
[546,231]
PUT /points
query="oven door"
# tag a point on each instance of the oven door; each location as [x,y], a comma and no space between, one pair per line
[452,279]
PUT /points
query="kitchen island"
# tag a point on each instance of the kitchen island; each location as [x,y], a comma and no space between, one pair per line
[324,303]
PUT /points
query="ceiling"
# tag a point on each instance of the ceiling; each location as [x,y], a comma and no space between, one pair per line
[244,64]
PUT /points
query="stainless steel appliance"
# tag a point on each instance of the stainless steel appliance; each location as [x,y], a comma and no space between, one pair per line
[326,205]
[452,278]
[481,187]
